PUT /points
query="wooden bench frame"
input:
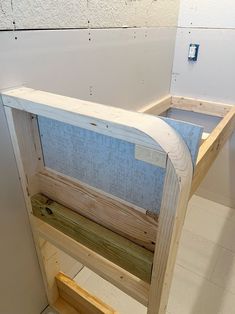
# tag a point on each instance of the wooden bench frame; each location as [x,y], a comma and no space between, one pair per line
[22,105]
[211,143]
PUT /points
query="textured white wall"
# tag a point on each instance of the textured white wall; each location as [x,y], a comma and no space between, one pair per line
[26,14]
[212,25]
[207,13]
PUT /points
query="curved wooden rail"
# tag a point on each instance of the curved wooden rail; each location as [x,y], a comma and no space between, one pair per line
[141,129]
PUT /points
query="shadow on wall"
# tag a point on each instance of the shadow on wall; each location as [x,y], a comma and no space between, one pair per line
[219,183]
[216,175]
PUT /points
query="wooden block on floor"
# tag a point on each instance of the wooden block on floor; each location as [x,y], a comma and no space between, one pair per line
[80,299]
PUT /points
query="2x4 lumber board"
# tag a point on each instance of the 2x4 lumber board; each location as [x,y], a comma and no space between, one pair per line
[171,220]
[91,116]
[113,214]
[80,298]
[133,286]
[110,245]
[157,107]
[210,149]
[129,126]
[201,106]
[22,126]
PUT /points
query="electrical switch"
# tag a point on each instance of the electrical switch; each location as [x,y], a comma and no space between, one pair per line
[193,52]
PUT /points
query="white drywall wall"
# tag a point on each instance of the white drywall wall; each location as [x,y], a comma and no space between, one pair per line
[127,68]
[207,13]
[212,77]
[21,285]
[212,25]
[27,14]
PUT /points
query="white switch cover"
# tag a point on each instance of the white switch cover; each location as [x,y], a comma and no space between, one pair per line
[193,52]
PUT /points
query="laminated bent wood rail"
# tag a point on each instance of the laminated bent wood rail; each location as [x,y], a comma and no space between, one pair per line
[212,142]
[153,145]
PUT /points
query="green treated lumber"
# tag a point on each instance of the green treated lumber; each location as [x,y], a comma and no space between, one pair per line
[117,249]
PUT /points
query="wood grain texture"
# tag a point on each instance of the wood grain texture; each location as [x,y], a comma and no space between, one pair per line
[130,126]
[26,142]
[158,107]
[29,162]
[201,106]
[22,130]
[138,129]
[171,220]
[133,286]
[91,116]
[108,244]
[79,298]
[211,147]
[98,165]
[107,211]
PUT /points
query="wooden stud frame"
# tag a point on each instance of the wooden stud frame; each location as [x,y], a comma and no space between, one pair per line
[22,105]
[212,143]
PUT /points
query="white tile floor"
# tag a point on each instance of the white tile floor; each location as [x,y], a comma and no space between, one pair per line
[204,278]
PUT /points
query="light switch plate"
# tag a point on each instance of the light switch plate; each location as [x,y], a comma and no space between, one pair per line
[193,52]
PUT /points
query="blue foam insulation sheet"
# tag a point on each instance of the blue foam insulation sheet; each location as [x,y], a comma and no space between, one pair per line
[108,163]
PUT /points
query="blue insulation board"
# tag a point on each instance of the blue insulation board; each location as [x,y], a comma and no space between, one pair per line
[108,163]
